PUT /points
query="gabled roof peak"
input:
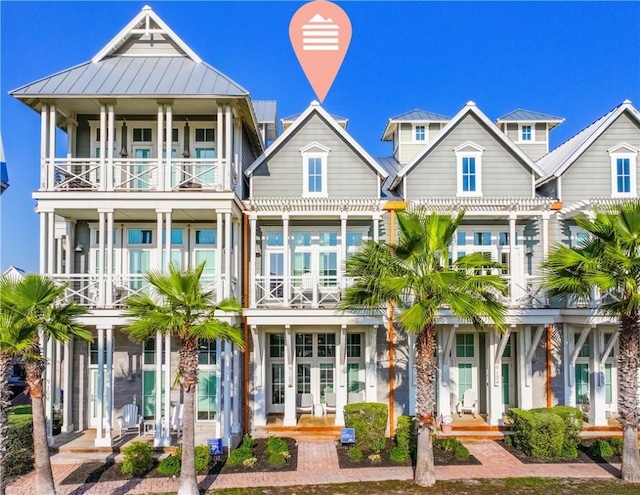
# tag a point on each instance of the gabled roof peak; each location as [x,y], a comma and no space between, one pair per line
[627,102]
[146,24]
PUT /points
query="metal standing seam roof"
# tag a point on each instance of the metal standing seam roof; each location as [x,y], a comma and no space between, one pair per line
[266,110]
[135,76]
[521,115]
[557,159]
[392,166]
[293,118]
[418,114]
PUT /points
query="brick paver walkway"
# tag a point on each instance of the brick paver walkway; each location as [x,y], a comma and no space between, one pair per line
[318,464]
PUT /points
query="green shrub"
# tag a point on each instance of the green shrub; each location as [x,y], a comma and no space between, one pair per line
[247,442]
[572,419]
[354,453]
[378,444]
[508,440]
[616,445]
[601,448]
[399,454]
[448,444]
[539,434]
[169,466]
[203,458]
[369,419]
[19,456]
[569,451]
[276,445]
[406,435]
[276,459]
[138,459]
[461,453]
[238,456]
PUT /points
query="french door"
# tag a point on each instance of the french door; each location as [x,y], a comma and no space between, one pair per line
[315,364]
[141,169]
[94,406]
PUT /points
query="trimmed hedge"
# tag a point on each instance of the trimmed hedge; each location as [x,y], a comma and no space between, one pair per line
[572,418]
[19,457]
[406,435]
[539,434]
[138,459]
[369,420]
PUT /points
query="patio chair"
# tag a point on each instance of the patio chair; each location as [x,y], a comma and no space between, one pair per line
[468,403]
[329,402]
[176,419]
[355,397]
[305,403]
[129,419]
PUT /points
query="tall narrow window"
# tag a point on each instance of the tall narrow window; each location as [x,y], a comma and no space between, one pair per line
[314,170]
[623,170]
[469,158]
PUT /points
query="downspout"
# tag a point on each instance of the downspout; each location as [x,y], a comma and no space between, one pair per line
[245,326]
[549,402]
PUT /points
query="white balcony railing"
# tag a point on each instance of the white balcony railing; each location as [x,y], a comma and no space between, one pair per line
[94,291]
[139,174]
[308,290]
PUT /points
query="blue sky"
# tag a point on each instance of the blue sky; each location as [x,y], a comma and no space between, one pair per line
[576,60]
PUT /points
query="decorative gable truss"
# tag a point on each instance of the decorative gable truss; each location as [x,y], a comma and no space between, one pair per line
[469,169]
[623,171]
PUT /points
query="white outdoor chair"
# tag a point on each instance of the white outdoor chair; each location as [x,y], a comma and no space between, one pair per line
[305,403]
[329,402]
[355,397]
[468,403]
[176,419]
[129,419]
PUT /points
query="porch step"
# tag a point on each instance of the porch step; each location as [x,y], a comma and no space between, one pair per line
[480,428]
[310,432]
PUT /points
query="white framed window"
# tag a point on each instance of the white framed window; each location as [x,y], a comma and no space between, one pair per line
[526,133]
[207,380]
[419,133]
[623,170]
[314,170]
[469,169]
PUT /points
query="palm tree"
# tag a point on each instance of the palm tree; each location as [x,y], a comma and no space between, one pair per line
[35,305]
[182,309]
[609,260]
[416,277]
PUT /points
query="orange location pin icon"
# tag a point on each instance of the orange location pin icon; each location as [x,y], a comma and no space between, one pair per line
[320,34]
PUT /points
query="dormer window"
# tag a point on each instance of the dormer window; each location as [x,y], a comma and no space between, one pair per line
[623,170]
[526,133]
[469,169]
[314,170]
[419,133]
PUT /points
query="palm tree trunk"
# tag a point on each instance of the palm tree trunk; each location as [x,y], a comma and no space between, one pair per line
[44,475]
[5,405]
[628,362]
[426,365]
[189,378]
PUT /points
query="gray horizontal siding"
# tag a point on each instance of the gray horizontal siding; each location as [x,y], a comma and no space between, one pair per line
[502,173]
[541,132]
[535,151]
[590,175]
[282,173]
[408,151]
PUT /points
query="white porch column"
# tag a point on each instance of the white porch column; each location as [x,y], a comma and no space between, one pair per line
[67,397]
[512,258]
[57,395]
[168,149]
[167,240]
[222,179]
[371,389]
[228,134]
[343,247]
[545,234]
[99,441]
[102,235]
[166,438]
[72,127]
[45,176]
[259,374]
[236,261]
[290,393]
[286,261]
[108,391]
[253,219]
[341,374]
[227,393]
[159,149]
[597,398]
[157,439]
[111,143]
[52,144]
[236,396]
[526,346]
[376,226]
[496,345]
[220,275]
[49,389]
[109,259]
[103,147]
[445,392]
[227,255]
[411,371]
[58,255]
[219,388]
[159,224]
[51,239]
[43,241]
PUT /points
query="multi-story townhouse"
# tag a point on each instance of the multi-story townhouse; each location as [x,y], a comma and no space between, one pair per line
[167,161]
[594,169]
[156,144]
